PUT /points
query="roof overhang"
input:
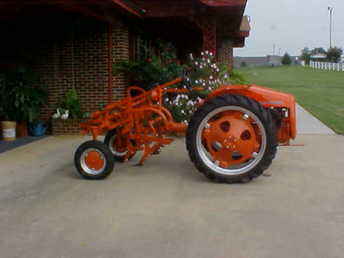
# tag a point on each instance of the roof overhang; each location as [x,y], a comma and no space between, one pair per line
[102,10]
[130,7]
[228,13]
[223,3]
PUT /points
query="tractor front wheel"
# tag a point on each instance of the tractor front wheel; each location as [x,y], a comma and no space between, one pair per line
[231,139]
[93,160]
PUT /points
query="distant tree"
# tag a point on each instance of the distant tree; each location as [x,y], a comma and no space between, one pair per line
[334,54]
[306,55]
[286,59]
[243,64]
[318,50]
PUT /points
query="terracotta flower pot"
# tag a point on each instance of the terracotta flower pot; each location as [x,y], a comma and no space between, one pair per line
[22,129]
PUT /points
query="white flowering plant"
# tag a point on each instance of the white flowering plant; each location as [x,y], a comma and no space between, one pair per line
[206,73]
[203,72]
[182,106]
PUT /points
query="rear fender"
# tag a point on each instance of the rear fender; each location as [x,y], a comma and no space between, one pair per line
[268,98]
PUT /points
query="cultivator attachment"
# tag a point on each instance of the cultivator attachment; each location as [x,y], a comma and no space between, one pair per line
[140,121]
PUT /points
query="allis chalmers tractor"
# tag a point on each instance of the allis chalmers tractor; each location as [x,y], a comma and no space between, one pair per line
[232,137]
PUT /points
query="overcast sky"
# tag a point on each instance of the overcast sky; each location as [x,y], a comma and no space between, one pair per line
[291,25]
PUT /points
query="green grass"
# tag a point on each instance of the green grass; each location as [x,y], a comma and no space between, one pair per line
[320,92]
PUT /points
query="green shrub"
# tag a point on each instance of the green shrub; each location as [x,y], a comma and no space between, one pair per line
[71,103]
[21,95]
[152,71]
[334,54]
[286,59]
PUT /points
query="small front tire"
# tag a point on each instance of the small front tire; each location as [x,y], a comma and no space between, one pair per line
[93,160]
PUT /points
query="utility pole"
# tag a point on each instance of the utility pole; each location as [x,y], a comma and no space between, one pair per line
[274,50]
[330,9]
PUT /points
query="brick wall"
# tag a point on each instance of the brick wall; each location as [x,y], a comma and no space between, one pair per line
[66,127]
[90,64]
[70,51]
[75,60]
[120,39]
[81,61]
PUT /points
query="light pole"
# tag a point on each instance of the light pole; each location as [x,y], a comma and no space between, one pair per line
[274,49]
[330,9]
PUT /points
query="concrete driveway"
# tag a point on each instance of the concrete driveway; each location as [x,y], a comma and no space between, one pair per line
[167,209]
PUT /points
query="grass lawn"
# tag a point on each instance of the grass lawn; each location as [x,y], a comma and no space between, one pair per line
[320,92]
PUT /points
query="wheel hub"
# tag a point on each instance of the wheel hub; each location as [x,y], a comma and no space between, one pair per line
[230,139]
[94,160]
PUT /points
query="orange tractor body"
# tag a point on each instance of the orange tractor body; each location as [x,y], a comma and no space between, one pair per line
[248,123]
[271,99]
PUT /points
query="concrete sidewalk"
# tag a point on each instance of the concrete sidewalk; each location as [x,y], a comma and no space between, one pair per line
[308,124]
[167,209]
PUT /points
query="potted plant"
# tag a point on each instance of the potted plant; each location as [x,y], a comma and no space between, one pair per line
[37,128]
[23,96]
[68,115]
[8,126]
[70,105]
[7,112]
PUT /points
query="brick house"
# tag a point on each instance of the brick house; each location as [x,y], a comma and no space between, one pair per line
[73,44]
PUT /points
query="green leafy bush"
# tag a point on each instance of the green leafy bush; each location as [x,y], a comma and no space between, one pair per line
[21,95]
[152,71]
[286,59]
[71,103]
[334,54]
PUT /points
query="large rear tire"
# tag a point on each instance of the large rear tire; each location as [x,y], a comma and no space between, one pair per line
[93,160]
[231,139]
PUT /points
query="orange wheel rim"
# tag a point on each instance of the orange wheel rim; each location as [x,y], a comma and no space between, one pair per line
[231,138]
[94,160]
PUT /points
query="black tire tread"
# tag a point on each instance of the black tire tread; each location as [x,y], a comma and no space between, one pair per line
[110,162]
[236,100]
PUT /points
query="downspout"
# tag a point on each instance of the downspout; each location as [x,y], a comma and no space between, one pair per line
[110,61]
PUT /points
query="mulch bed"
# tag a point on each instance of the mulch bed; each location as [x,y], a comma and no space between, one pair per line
[6,146]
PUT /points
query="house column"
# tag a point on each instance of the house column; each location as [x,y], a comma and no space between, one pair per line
[225,53]
[208,26]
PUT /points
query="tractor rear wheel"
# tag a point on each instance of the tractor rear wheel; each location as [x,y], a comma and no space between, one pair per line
[117,145]
[93,160]
[231,139]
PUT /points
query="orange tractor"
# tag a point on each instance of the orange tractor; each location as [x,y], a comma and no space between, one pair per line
[232,136]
